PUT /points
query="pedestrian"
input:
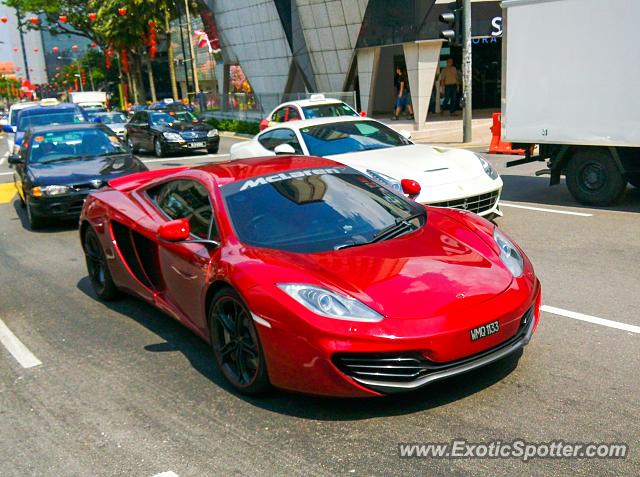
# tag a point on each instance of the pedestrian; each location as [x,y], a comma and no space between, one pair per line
[202,101]
[403,95]
[450,83]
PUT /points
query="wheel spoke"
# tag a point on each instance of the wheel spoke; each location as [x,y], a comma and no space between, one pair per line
[228,348]
[226,321]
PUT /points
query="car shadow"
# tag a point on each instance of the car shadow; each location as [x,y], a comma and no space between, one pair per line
[178,338]
[50,227]
[537,192]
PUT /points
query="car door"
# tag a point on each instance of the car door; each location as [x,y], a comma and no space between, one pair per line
[133,129]
[184,265]
[269,140]
[20,169]
[146,135]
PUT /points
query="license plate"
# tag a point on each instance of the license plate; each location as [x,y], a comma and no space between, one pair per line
[483,331]
[196,145]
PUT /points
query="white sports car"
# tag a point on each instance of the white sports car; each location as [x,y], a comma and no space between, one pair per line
[446,177]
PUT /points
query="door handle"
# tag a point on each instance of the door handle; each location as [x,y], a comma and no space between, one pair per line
[186,276]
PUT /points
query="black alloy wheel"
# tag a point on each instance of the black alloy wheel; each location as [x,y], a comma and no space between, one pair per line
[235,343]
[97,267]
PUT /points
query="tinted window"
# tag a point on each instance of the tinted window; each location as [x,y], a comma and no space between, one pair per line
[352,136]
[293,114]
[139,118]
[113,118]
[272,139]
[313,210]
[58,145]
[161,118]
[278,116]
[69,116]
[328,111]
[186,199]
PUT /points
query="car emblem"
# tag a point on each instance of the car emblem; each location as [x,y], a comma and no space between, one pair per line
[465,204]
[96,183]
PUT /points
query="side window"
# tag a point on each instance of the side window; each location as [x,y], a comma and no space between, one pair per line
[272,139]
[186,199]
[294,115]
[278,116]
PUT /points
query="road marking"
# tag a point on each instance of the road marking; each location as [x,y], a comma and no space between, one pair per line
[7,192]
[6,173]
[541,209]
[188,158]
[166,474]
[591,319]
[18,350]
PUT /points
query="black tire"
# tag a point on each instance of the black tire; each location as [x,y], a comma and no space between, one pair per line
[634,180]
[132,145]
[97,267]
[158,148]
[593,177]
[21,198]
[236,344]
[35,222]
[213,150]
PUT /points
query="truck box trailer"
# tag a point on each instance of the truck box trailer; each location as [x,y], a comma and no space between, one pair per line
[571,85]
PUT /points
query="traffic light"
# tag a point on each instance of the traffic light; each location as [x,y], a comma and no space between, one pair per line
[453,21]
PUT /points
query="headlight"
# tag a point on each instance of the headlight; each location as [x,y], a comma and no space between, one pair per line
[50,190]
[212,133]
[488,168]
[174,137]
[385,180]
[330,304]
[509,253]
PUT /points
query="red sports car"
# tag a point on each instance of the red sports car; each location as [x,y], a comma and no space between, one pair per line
[306,275]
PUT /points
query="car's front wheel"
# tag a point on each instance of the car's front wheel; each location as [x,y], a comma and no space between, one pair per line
[213,150]
[97,267]
[35,221]
[236,344]
[132,145]
[158,148]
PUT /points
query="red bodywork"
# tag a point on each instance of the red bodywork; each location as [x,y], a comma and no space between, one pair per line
[432,286]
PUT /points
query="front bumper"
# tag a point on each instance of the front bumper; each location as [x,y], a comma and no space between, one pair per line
[193,144]
[62,206]
[481,204]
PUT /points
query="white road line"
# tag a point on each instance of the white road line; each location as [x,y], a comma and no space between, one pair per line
[18,350]
[6,173]
[166,474]
[540,209]
[188,158]
[591,319]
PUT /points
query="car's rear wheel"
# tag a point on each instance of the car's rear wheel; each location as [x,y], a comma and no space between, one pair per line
[35,221]
[99,273]
[132,145]
[593,178]
[158,148]
[236,344]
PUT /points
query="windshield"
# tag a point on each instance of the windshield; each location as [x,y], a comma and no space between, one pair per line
[57,145]
[113,118]
[161,119]
[353,136]
[26,120]
[182,116]
[328,111]
[313,210]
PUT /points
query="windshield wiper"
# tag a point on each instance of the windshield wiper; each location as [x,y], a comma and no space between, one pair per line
[401,226]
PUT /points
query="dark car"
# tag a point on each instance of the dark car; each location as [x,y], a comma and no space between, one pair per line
[57,167]
[167,132]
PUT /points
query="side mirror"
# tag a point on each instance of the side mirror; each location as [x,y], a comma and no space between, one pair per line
[406,134]
[174,230]
[410,187]
[7,128]
[284,150]
[14,159]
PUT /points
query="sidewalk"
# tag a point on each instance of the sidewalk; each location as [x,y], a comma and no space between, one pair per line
[446,130]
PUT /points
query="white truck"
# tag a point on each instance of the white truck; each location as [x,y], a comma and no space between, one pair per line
[91,100]
[571,85]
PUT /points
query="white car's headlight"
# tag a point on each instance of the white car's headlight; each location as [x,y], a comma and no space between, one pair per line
[385,180]
[509,254]
[330,304]
[488,168]
[50,190]
[212,133]
[174,137]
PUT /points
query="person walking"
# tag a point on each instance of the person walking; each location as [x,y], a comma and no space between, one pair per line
[450,83]
[403,96]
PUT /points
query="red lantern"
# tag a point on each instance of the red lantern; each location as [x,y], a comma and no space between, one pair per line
[4,19]
[63,19]
[56,49]
[122,11]
[92,16]
[93,45]
[34,20]
[75,47]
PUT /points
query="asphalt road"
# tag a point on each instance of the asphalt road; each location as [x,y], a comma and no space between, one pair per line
[124,390]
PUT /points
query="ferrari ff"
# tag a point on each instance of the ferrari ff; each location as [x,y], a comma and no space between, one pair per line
[306,275]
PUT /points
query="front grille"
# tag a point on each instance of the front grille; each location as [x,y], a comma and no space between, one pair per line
[477,203]
[194,134]
[409,366]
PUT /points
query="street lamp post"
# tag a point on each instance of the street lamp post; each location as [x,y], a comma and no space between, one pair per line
[194,68]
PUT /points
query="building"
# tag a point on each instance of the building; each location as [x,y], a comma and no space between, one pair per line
[297,46]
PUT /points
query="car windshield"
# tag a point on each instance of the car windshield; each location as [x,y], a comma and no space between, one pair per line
[183,116]
[314,210]
[352,136]
[54,146]
[328,111]
[161,119]
[112,118]
[26,120]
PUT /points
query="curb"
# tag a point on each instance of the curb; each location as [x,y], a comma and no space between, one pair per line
[234,134]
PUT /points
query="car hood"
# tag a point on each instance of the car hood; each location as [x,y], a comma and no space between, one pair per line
[441,268]
[78,171]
